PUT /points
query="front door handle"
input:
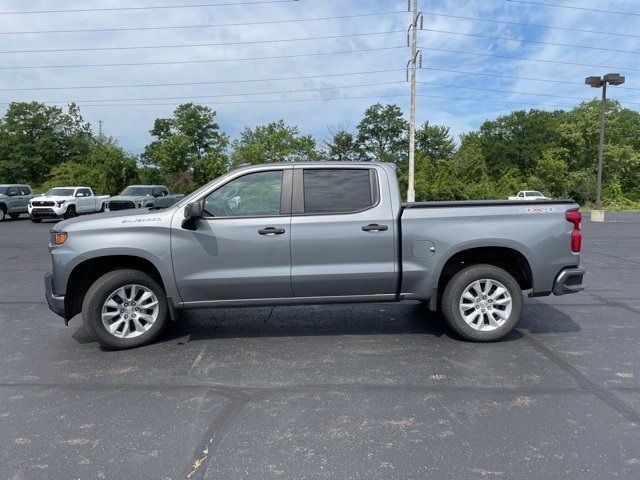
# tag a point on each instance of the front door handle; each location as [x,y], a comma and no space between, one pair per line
[374,227]
[271,231]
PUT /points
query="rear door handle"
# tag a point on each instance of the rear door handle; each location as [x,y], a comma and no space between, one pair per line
[374,227]
[270,231]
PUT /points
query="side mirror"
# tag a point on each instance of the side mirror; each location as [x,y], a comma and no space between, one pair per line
[79,195]
[192,212]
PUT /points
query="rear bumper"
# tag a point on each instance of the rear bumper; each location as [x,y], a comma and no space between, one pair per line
[569,280]
[55,302]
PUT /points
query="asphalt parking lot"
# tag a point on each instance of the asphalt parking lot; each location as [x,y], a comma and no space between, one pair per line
[333,392]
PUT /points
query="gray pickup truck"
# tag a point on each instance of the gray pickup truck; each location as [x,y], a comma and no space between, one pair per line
[309,233]
[14,200]
[143,196]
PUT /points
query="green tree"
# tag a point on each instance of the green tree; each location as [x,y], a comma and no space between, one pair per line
[382,134]
[518,139]
[434,143]
[35,137]
[189,149]
[274,142]
[342,147]
[107,169]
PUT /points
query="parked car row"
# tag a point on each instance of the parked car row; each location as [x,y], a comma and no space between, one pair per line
[69,202]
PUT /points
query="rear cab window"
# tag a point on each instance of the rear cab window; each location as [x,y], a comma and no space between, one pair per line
[338,190]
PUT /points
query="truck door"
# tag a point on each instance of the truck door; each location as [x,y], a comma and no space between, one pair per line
[85,201]
[13,200]
[25,195]
[240,248]
[342,233]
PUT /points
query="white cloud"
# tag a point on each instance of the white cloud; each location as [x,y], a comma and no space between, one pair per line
[130,124]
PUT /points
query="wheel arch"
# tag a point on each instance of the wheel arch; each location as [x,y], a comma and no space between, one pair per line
[507,257]
[85,273]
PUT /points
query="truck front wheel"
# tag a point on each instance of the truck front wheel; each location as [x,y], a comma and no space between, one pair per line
[482,303]
[125,309]
[70,212]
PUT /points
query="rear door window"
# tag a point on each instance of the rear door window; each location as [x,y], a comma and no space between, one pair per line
[338,190]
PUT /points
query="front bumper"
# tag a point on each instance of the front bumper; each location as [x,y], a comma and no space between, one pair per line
[55,302]
[46,212]
[569,280]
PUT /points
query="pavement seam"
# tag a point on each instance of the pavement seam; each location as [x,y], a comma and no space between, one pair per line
[603,394]
[245,393]
[616,303]
[216,431]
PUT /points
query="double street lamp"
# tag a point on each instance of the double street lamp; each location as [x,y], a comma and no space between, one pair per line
[601,82]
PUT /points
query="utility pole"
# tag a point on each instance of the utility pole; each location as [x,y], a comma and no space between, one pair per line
[100,129]
[412,38]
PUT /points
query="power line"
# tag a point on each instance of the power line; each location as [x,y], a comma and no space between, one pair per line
[188,45]
[211,82]
[598,10]
[224,95]
[150,7]
[535,25]
[514,77]
[185,62]
[582,99]
[304,90]
[445,97]
[178,62]
[213,25]
[539,42]
[557,62]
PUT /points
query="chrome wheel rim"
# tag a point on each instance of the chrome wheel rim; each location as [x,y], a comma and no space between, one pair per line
[130,311]
[485,304]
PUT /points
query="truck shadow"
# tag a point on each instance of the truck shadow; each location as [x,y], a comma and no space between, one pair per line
[336,320]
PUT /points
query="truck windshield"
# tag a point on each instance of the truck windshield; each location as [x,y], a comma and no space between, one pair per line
[59,192]
[137,191]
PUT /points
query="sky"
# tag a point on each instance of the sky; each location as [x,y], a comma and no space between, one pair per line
[318,84]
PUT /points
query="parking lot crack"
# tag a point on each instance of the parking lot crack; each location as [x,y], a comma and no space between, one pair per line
[583,382]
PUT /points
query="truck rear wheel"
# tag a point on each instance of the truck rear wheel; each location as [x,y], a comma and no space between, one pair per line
[482,303]
[125,309]
[3,213]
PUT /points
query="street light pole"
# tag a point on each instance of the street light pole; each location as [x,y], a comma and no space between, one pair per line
[601,148]
[598,82]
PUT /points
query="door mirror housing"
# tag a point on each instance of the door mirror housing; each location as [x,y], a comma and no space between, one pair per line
[192,213]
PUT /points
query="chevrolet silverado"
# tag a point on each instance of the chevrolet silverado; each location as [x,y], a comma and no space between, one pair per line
[309,233]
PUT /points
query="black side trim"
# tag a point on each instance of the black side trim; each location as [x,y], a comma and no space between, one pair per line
[485,203]
[287,192]
[297,207]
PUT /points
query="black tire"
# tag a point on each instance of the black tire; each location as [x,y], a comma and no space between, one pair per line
[70,212]
[36,220]
[3,213]
[451,298]
[14,216]
[98,294]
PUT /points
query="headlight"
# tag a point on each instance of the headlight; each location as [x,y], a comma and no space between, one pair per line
[59,238]
[60,202]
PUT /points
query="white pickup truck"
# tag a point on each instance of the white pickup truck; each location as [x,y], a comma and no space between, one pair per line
[529,195]
[66,202]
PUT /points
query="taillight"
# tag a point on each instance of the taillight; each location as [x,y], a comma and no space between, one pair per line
[575,217]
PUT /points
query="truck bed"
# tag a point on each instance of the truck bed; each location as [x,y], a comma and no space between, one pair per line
[483,203]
